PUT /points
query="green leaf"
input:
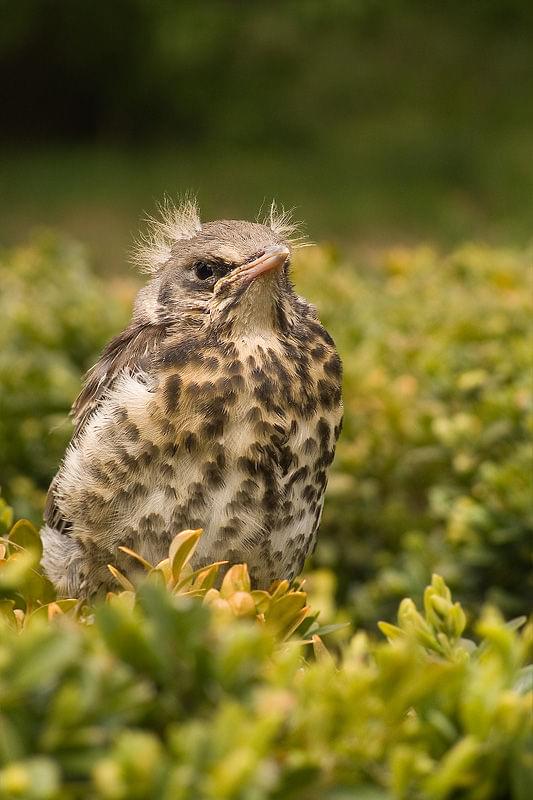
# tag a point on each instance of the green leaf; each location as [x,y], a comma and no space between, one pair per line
[286,613]
[522,769]
[121,579]
[236,579]
[6,516]
[323,630]
[17,571]
[182,549]
[24,535]
[524,681]
[6,613]
[36,778]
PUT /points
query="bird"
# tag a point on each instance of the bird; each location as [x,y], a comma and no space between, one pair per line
[218,407]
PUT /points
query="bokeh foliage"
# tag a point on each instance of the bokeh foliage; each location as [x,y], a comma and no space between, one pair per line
[221,69]
[434,465]
[55,319]
[156,694]
[433,470]
[383,122]
[380,120]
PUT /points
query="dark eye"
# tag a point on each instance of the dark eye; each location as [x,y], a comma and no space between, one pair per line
[203,270]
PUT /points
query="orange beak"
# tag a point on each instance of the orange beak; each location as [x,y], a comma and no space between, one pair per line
[271,259]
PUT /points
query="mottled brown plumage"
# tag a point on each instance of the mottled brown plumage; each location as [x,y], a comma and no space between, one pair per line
[218,407]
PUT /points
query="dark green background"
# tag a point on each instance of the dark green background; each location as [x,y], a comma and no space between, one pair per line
[379,121]
[384,123]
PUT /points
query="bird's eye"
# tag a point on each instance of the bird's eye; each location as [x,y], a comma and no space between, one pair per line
[203,270]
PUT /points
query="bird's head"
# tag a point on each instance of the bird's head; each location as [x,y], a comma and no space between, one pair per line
[229,274]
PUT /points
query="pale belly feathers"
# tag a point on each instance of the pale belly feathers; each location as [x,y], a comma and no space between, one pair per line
[240,461]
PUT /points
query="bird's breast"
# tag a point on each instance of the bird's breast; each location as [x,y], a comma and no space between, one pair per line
[250,431]
[234,438]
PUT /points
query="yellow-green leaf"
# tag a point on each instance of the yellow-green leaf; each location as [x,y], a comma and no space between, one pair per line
[24,535]
[181,550]
[121,579]
[236,579]
[146,564]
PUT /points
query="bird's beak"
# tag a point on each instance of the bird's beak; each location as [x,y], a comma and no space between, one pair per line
[272,258]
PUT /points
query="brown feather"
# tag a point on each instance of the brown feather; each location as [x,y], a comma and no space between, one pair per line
[130,351]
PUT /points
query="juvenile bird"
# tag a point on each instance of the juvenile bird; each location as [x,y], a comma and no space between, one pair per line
[218,407]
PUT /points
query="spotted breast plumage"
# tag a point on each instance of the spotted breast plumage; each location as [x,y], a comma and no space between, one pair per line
[218,407]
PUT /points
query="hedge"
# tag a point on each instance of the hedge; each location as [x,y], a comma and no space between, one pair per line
[433,466]
[174,689]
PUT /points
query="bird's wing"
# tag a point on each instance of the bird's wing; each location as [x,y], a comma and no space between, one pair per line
[52,515]
[131,352]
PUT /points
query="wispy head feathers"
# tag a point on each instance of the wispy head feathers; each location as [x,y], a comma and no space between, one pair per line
[284,225]
[153,247]
[173,222]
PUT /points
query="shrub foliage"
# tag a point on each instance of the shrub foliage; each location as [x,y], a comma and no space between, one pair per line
[55,318]
[433,466]
[174,689]
[433,470]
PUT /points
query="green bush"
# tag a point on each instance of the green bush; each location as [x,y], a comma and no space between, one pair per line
[433,466]
[433,470]
[158,694]
[55,316]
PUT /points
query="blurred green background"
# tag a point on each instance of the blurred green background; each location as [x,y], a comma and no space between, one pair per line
[380,121]
[401,132]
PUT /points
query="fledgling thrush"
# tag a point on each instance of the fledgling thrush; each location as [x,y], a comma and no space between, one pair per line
[218,407]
